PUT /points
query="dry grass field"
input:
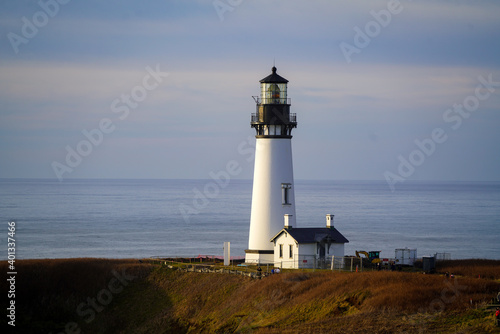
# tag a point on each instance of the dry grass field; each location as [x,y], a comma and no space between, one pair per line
[128,296]
[472,268]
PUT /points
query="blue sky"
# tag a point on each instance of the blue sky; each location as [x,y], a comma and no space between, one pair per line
[382,112]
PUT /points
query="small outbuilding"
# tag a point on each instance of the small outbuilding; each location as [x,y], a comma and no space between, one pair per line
[309,247]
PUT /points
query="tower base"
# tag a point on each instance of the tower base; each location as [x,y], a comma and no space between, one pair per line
[255,256]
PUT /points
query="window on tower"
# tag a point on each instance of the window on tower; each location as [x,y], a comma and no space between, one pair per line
[285,193]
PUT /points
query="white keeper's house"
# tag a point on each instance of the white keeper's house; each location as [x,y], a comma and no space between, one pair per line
[307,247]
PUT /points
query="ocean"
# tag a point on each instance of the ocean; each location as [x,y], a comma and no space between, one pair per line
[121,218]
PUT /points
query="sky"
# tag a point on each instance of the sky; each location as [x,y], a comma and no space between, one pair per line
[383,90]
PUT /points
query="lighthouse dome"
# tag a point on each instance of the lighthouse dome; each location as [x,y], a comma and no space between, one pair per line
[274,78]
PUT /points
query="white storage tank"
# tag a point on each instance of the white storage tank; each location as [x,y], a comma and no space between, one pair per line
[405,256]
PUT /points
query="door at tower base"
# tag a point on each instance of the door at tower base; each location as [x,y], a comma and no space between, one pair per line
[253,256]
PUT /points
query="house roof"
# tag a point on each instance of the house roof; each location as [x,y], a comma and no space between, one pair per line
[308,235]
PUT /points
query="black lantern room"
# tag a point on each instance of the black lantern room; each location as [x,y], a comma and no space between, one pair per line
[273,118]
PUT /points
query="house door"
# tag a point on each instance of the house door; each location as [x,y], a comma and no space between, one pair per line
[321,251]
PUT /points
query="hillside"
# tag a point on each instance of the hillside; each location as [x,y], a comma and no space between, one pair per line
[126,296]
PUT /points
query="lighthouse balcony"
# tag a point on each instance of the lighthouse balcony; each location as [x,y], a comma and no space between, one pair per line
[260,118]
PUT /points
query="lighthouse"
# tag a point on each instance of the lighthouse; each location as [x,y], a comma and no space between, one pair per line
[273,200]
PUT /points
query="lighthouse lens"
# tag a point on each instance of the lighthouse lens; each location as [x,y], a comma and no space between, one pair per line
[273,93]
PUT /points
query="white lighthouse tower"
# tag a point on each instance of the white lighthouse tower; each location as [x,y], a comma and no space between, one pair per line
[273,200]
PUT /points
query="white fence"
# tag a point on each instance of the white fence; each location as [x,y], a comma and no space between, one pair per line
[348,263]
[442,256]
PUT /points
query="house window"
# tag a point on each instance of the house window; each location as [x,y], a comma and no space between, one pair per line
[285,193]
[290,251]
[281,251]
